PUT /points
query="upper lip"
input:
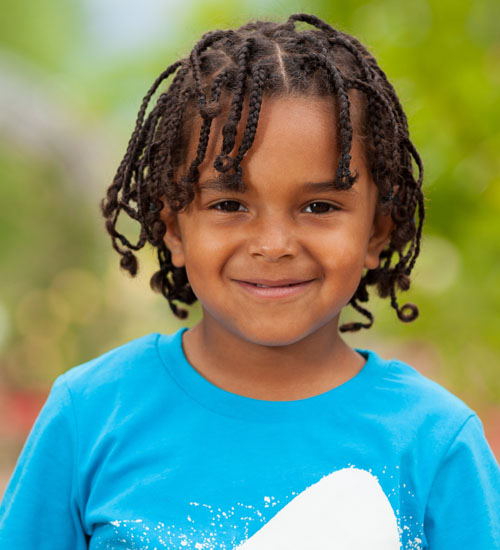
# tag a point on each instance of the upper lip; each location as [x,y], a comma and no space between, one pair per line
[275,282]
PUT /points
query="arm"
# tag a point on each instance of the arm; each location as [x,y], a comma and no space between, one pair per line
[463,509]
[40,506]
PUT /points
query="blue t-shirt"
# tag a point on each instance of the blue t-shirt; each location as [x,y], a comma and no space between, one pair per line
[136,450]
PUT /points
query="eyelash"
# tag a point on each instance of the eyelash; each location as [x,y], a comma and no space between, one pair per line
[332,207]
[218,206]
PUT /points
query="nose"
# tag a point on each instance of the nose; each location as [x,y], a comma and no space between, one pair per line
[272,238]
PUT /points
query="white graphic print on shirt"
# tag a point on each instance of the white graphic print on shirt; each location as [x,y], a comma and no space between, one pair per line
[344,509]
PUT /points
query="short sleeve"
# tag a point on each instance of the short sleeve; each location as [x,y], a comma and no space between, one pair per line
[463,509]
[40,506]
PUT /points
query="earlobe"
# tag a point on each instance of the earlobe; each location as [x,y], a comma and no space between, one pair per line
[172,237]
[382,227]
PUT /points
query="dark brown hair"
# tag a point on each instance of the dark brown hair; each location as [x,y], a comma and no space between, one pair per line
[267,59]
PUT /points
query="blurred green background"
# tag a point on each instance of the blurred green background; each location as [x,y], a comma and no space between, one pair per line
[72,77]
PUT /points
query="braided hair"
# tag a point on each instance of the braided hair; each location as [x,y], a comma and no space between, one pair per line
[267,59]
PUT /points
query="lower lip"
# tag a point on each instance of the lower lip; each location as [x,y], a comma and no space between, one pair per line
[274,291]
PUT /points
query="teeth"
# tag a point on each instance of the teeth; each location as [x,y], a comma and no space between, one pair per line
[266,286]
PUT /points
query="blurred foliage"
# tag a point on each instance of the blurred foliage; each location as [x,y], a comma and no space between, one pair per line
[85,67]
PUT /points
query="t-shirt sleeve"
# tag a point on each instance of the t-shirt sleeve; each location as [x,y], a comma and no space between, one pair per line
[463,509]
[40,505]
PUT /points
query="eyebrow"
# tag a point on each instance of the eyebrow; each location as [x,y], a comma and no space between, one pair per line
[219,184]
[327,186]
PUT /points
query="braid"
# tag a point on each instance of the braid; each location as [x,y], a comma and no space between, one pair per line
[266,59]
[125,165]
[355,326]
[312,20]
[169,125]
[223,162]
[208,115]
[361,295]
[344,178]
[255,101]
[206,41]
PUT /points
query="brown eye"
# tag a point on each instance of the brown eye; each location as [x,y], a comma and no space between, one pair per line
[228,206]
[320,207]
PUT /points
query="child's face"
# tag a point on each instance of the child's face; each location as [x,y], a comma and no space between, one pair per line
[281,230]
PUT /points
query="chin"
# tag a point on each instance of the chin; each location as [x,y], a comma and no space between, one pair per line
[274,336]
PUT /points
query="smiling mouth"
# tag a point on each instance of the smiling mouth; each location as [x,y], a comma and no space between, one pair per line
[263,283]
[271,286]
[274,289]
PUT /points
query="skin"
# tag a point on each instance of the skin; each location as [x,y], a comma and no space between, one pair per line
[282,348]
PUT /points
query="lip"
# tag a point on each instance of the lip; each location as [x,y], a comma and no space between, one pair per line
[274,289]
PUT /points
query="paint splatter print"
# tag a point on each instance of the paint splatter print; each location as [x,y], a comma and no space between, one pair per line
[345,509]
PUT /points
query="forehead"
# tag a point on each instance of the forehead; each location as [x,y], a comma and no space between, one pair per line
[294,136]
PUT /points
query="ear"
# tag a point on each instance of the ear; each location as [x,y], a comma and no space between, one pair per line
[383,226]
[173,237]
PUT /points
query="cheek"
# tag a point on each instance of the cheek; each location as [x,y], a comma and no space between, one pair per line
[343,261]
[211,247]
[344,249]
[206,253]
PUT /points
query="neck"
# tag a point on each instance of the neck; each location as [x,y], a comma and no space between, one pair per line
[313,365]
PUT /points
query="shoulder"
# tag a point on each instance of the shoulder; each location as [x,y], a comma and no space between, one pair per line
[115,396]
[128,382]
[416,388]
[412,388]
[414,404]
[125,364]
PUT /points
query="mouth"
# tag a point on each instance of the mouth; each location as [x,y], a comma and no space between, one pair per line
[274,289]
[266,283]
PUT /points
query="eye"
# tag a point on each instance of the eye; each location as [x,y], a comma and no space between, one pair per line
[320,207]
[228,206]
